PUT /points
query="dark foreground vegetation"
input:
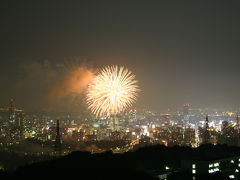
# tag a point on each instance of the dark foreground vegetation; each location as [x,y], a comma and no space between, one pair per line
[144,163]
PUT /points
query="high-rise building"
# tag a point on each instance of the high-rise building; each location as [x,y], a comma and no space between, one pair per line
[57,147]
[185,117]
[114,123]
[19,122]
[186,109]
[133,115]
[19,118]
[11,110]
[206,135]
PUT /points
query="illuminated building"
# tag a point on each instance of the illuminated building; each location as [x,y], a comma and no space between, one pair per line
[237,123]
[133,115]
[165,118]
[186,109]
[114,123]
[19,123]
[209,165]
[11,114]
[237,133]
[185,118]
[19,118]
[229,134]
[206,136]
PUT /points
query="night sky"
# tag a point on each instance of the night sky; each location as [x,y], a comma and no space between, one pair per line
[180,51]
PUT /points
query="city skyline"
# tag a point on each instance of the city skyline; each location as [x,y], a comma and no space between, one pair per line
[116,89]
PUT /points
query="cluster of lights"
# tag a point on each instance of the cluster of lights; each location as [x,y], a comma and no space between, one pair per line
[193,169]
[214,167]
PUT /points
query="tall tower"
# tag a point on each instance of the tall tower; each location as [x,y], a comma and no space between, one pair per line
[57,148]
[11,110]
[185,118]
[19,122]
[206,135]
[186,109]
[207,126]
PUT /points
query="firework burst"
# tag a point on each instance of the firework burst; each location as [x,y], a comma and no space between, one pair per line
[112,90]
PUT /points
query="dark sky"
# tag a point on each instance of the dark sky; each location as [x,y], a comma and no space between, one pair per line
[180,51]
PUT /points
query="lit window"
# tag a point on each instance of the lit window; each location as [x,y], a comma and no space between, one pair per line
[232,161]
[216,169]
[231,177]
[193,171]
[211,171]
[236,170]
[238,165]
[216,164]
[194,166]
[210,165]
[167,168]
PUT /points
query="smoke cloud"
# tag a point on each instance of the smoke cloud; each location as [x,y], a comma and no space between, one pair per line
[71,88]
[43,86]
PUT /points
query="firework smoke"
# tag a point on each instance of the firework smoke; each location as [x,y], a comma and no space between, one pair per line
[44,86]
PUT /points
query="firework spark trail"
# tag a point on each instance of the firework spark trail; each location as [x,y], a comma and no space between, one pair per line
[111,91]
